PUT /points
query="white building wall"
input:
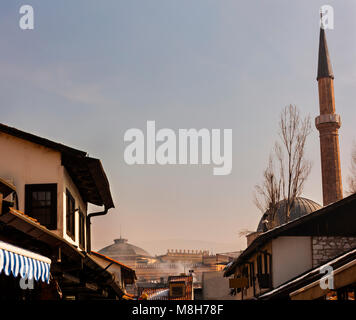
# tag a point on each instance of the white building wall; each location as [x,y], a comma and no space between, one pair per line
[23,162]
[291,256]
[216,286]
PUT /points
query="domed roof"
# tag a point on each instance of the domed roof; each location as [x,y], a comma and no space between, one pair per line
[301,207]
[122,250]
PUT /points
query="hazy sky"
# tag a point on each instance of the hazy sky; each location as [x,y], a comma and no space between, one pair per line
[90,70]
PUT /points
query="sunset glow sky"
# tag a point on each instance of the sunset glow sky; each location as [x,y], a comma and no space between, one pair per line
[90,70]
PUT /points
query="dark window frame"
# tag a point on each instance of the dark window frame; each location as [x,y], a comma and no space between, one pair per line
[252,273]
[30,189]
[259,264]
[70,215]
[266,262]
[177,290]
[81,229]
[246,274]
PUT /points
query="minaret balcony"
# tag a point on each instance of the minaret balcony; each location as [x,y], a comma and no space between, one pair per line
[328,118]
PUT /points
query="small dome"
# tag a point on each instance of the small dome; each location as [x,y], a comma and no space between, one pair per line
[121,250]
[301,207]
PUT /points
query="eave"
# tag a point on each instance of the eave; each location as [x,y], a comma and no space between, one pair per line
[336,219]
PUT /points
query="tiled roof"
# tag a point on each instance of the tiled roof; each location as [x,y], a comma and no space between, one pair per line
[329,219]
[18,212]
[112,260]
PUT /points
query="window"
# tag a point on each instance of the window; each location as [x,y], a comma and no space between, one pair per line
[266,262]
[246,275]
[41,203]
[81,230]
[259,264]
[177,290]
[252,273]
[264,279]
[70,215]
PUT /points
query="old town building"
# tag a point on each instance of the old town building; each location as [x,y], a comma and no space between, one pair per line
[285,262]
[45,189]
[288,251]
[152,269]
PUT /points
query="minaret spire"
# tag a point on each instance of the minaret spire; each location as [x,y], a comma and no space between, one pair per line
[328,124]
[324,64]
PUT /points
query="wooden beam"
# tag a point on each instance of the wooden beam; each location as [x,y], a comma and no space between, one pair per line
[71,278]
[343,276]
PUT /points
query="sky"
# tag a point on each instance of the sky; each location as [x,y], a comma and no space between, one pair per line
[91,70]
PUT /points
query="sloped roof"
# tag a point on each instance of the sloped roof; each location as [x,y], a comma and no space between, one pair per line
[114,261]
[31,228]
[6,188]
[87,173]
[336,219]
[310,275]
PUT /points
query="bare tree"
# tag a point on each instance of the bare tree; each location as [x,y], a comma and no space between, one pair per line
[267,195]
[294,168]
[244,232]
[352,177]
[287,182]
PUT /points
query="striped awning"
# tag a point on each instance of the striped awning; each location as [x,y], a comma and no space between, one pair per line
[23,263]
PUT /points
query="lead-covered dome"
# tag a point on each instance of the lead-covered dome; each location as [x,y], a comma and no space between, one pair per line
[123,251]
[301,207]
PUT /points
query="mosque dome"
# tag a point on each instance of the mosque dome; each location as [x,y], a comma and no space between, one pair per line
[301,207]
[123,251]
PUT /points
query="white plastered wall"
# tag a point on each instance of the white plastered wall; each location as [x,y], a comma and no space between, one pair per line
[23,162]
[291,256]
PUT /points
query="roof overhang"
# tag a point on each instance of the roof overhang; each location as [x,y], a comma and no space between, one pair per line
[6,188]
[37,232]
[87,173]
[20,222]
[342,277]
[130,273]
[307,285]
[336,219]
[89,176]
[107,277]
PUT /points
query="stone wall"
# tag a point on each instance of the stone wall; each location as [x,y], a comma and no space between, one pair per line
[326,248]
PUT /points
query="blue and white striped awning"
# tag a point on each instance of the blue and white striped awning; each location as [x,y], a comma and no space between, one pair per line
[26,264]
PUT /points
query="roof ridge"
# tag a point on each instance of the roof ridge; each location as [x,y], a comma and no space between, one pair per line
[40,140]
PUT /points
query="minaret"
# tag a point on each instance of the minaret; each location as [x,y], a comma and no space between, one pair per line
[328,124]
